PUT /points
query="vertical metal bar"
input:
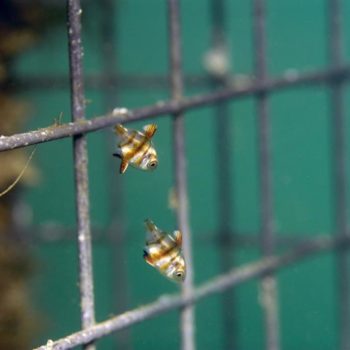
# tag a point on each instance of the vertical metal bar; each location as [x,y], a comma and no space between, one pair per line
[339,155]
[224,177]
[268,283]
[218,22]
[116,225]
[226,235]
[80,167]
[187,313]
[343,262]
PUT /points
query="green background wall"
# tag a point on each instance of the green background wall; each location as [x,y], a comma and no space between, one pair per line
[301,168]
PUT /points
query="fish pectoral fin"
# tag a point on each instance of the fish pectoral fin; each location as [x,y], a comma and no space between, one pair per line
[120,130]
[147,258]
[123,166]
[178,237]
[150,130]
[118,153]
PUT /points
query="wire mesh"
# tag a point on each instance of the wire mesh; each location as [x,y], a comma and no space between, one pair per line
[226,89]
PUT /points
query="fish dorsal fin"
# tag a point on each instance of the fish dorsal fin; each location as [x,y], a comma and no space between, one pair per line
[120,130]
[178,237]
[153,232]
[150,130]
[123,166]
[150,226]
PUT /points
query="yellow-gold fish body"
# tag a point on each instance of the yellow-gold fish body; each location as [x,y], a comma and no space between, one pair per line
[135,148]
[164,252]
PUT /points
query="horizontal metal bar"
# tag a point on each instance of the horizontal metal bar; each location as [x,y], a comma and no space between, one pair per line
[101,82]
[52,233]
[234,277]
[122,115]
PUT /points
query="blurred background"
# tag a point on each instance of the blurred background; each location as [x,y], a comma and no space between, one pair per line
[125,63]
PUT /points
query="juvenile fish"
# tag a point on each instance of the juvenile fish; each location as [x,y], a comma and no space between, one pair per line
[135,148]
[164,252]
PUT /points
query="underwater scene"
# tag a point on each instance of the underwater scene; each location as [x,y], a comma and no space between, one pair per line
[203,203]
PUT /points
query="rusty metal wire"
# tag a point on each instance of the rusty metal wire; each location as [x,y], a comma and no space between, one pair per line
[86,285]
[163,108]
[268,285]
[187,313]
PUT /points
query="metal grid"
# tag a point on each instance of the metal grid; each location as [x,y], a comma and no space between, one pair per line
[225,90]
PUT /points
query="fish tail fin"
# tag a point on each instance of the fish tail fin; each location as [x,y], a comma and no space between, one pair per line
[150,130]
[120,130]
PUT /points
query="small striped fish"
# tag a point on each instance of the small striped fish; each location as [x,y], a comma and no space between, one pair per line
[135,148]
[163,251]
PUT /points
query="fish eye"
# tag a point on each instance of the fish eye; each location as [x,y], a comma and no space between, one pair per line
[179,274]
[153,164]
